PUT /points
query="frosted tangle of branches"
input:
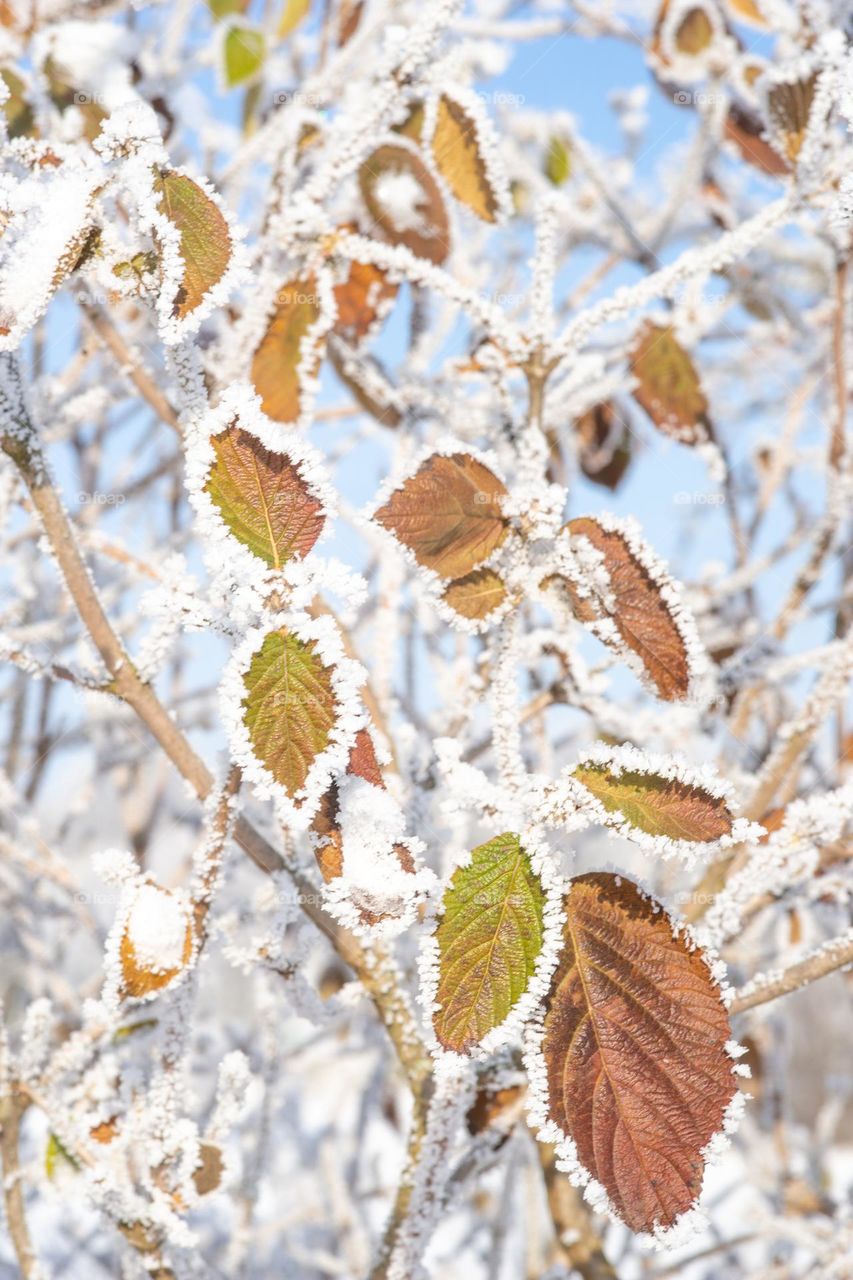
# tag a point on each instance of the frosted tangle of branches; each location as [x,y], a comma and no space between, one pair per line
[275,1103]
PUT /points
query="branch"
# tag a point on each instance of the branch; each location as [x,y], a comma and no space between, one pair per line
[12,1109]
[832,956]
[375,969]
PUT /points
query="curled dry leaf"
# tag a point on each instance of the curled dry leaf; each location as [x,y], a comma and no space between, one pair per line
[456,151]
[635,604]
[605,444]
[668,387]
[289,708]
[205,241]
[156,943]
[657,805]
[449,514]
[362,299]
[477,594]
[489,939]
[405,202]
[287,352]
[634,1044]
[325,824]
[262,497]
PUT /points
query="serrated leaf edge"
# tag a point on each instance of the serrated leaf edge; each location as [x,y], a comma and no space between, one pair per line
[568,1161]
[346,678]
[241,405]
[543,864]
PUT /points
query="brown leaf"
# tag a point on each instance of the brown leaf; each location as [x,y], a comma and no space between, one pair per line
[477,594]
[263,498]
[457,154]
[284,351]
[349,17]
[668,387]
[745,131]
[605,440]
[405,202]
[634,1046]
[636,606]
[448,514]
[362,763]
[361,299]
[207,1175]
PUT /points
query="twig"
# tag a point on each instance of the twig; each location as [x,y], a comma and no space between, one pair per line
[834,955]
[12,1109]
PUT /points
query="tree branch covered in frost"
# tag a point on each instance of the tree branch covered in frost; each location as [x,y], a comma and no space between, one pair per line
[425,603]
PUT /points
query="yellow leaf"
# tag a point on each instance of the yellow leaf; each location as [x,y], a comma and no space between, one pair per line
[456,150]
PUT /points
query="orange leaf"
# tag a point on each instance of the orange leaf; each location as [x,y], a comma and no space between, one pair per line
[448,514]
[405,202]
[284,352]
[361,300]
[634,1045]
[634,602]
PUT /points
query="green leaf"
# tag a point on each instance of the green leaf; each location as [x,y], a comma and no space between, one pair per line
[659,806]
[558,162]
[56,1155]
[289,708]
[262,498]
[293,13]
[205,238]
[243,51]
[489,939]
[221,8]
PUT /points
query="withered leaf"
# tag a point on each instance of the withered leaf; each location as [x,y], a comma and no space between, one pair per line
[746,131]
[289,708]
[405,202]
[605,444]
[636,606]
[456,151]
[262,497]
[634,1046]
[656,805]
[669,388]
[20,118]
[477,594]
[489,939]
[449,514]
[286,349]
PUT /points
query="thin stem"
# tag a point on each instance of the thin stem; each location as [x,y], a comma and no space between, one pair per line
[12,1109]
